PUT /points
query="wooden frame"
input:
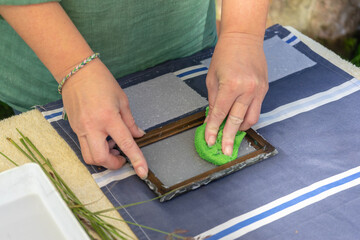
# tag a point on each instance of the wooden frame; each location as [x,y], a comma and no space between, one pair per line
[263,151]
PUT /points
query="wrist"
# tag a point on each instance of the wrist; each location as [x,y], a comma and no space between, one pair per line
[256,35]
[241,38]
[94,70]
[77,68]
[65,68]
[245,16]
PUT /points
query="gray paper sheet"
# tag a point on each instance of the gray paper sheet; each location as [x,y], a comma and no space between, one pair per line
[162,99]
[175,159]
[282,59]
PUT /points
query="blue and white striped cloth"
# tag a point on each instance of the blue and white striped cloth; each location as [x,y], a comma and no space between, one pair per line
[310,190]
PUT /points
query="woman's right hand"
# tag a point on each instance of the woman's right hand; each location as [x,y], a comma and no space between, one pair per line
[97,107]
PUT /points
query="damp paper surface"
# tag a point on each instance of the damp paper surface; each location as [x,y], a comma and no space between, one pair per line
[175,159]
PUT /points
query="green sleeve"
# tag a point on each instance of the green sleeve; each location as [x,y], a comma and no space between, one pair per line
[24,2]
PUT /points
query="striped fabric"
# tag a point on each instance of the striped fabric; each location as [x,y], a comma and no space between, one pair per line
[310,190]
[291,39]
[191,72]
[53,115]
[284,206]
[307,104]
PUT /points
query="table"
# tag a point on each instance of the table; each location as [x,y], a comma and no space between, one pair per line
[308,191]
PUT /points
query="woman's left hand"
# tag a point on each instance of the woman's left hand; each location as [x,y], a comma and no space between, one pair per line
[237,84]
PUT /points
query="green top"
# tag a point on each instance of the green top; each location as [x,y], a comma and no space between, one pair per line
[130,35]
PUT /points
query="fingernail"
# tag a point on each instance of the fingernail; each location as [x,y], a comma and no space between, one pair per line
[211,141]
[142,131]
[228,151]
[142,173]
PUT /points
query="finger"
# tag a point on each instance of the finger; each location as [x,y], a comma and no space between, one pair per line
[115,152]
[85,151]
[252,115]
[111,143]
[233,122]
[100,152]
[212,88]
[122,136]
[128,119]
[223,103]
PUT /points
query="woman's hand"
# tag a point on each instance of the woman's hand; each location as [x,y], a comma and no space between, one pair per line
[97,107]
[237,84]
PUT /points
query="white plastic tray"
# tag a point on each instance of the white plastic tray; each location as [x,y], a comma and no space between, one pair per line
[31,208]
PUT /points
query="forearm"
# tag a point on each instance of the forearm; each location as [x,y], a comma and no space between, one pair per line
[50,33]
[244,17]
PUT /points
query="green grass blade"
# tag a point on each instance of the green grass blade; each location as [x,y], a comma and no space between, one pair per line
[134,204]
[9,159]
[20,149]
[146,227]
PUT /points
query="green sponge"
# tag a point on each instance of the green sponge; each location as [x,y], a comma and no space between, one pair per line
[214,153]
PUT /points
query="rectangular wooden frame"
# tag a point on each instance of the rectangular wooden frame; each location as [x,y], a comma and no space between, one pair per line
[263,150]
